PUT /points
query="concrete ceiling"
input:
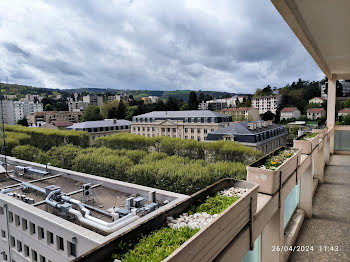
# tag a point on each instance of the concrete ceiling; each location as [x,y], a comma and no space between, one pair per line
[323,27]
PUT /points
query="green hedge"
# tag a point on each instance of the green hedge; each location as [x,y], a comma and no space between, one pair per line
[173,173]
[26,152]
[210,151]
[47,138]
[13,139]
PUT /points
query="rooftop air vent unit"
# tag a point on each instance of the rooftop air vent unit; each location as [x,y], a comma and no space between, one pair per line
[87,190]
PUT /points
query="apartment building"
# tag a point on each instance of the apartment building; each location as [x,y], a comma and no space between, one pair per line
[191,124]
[315,113]
[8,112]
[242,113]
[93,100]
[25,108]
[266,103]
[49,214]
[317,100]
[101,128]
[150,99]
[260,135]
[220,104]
[290,112]
[77,106]
[53,116]
[122,96]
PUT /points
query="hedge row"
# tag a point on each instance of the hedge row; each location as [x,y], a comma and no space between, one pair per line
[13,139]
[210,151]
[47,138]
[156,169]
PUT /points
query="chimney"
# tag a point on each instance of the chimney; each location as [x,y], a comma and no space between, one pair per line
[251,126]
[258,124]
[270,122]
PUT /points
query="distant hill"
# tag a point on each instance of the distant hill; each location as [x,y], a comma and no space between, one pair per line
[22,90]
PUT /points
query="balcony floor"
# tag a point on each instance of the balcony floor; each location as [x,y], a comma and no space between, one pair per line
[330,222]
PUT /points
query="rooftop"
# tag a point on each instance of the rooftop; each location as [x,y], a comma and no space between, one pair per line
[345,110]
[241,128]
[315,110]
[181,114]
[100,123]
[289,109]
[62,123]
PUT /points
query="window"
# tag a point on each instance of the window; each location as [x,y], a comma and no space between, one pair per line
[12,241]
[3,234]
[153,129]
[186,137]
[198,130]
[209,120]
[41,233]
[4,256]
[60,243]
[205,131]
[192,130]
[42,258]
[147,128]
[198,138]
[174,130]
[163,129]
[101,128]
[211,130]
[32,228]
[26,251]
[19,246]
[186,130]
[196,120]
[134,128]
[192,137]
[10,217]
[17,220]
[168,129]
[34,255]
[49,237]
[143,129]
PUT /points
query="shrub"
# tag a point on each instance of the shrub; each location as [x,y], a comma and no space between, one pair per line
[62,156]
[13,139]
[103,165]
[47,138]
[125,141]
[26,152]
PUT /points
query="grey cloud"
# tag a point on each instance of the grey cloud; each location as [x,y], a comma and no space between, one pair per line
[228,45]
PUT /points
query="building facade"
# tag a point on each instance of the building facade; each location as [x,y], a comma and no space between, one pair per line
[315,113]
[93,100]
[343,112]
[52,116]
[192,124]
[220,104]
[260,135]
[290,112]
[122,96]
[242,113]
[150,99]
[101,128]
[25,108]
[317,100]
[77,106]
[266,103]
[8,112]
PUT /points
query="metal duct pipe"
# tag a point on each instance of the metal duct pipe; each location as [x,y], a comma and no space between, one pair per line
[100,227]
[49,201]
[34,187]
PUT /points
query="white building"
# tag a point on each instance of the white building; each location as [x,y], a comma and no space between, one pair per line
[346,87]
[77,106]
[220,104]
[317,100]
[32,98]
[122,96]
[323,90]
[67,213]
[315,113]
[24,108]
[93,100]
[266,103]
[150,99]
[8,112]
[290,112]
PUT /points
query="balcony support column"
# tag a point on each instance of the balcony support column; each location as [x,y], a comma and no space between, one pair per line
[272,237]
[331,99]
[306,183]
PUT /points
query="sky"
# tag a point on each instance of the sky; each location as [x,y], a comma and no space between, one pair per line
[228,45]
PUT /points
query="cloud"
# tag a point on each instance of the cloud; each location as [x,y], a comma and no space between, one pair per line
[234,46]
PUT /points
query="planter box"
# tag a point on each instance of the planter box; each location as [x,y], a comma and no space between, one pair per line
[306,146]
[206,244]
[321,132]
[269,180]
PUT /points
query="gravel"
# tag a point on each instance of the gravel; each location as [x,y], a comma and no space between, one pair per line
[200,220]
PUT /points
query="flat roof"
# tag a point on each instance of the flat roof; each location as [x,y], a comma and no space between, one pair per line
[181,114]
[100,123]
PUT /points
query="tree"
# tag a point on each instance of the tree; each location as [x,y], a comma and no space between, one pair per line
[184,107]
[347,104]
[346,120]
[172,104]
[267,116]
[92,113]
[121,111]
[109,109]
[192,101]
[23,122]
[48,107]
